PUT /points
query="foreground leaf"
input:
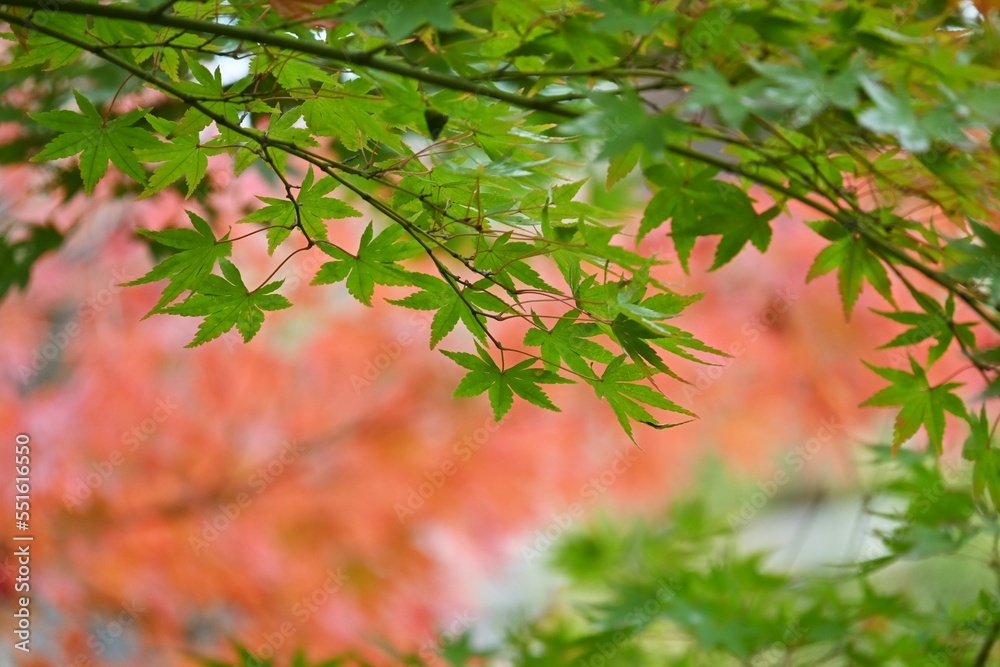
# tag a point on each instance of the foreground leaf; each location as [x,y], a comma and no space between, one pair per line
[922,404]
[189,268]
[225,302]
[485,376]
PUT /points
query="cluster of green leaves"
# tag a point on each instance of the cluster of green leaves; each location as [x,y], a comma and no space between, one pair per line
[683,591]
[470,130]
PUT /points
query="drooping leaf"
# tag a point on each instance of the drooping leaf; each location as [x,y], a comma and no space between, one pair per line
[922,404]
[621,386]
[311,209]
[225,302]
[376,263]
[96,141]
[502,384]
[186,270]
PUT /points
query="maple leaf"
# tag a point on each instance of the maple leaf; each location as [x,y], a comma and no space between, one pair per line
[453,304]
[854,261]
[619,385]
[375,263]
[311,207]
[96,141]
[700,205]
[183,156]
[502,384]
[225,302]
[935,323]
[568,341]
[199,251]
[922,404]
[504,259]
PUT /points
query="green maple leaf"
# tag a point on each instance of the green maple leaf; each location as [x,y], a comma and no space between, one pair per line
[51,52]
[374,264]
[184,156]
[216,98]
[855,263]
[894,114]
[225,302]
[679,342]
[502,384]
[935,322]
[621,165]
[711,90]
[976,259]
[699,205]
[436,294]
[979,448]
[568,341]
[677,200]
[186,270]
[504,259]
[619,386]
[356,123]
[453,304]
[739,225]
[632,336]
[922,403]
[312,207]
[96,141]
[399,19]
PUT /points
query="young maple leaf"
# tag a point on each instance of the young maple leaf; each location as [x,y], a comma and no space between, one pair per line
[182,157]
[312,207]
[502,384]
[375,263]
[453,304]
[199,251]
[569,342]
[226,303]
[935,322]
[855,262]
[96,140]
[922,404]
[619,385]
